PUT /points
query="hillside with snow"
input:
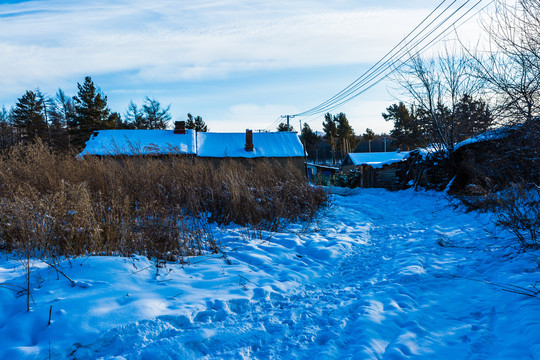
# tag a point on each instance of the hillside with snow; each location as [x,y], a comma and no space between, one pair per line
[379,275]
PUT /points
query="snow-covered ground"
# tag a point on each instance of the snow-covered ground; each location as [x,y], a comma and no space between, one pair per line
[380,275]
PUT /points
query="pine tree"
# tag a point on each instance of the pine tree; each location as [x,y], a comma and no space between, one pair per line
[196,123]
[330,133]
[135,118]
[409,129]
[339,133]
[7,133]
[28,116]
[345,133]
[91,112]
[368,136]
[155,116]
[48,111]
[473,117]
[283,127]
[309,139]
[329,126]
[116,120]
[91,107]
[62,120]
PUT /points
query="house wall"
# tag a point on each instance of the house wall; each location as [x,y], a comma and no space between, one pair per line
[296,163]
[388,177]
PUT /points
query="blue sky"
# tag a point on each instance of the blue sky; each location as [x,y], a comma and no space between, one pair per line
[237,63]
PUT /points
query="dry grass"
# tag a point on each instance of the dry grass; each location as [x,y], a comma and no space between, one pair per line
[54,205]
[518,210]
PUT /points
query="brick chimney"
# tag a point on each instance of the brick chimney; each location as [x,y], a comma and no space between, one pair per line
[179,127]
[249,140]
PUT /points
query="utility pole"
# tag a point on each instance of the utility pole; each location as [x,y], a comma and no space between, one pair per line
[385,144]
[301,139]
[288,117]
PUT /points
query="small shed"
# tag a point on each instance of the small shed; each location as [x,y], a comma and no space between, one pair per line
[381,170]
[317,170]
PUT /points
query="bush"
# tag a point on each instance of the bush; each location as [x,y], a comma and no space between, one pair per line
[518,209]
[351,180]
[56,205]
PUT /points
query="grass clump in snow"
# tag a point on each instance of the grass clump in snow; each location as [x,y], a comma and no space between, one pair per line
[518,210]
[55,205]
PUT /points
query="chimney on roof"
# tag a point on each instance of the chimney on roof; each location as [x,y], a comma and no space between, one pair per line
[179,127]
[249,140]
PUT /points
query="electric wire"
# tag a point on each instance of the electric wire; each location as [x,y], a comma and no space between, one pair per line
[418,52]
[384,57]
[276,122]
[353,90]
[374,77]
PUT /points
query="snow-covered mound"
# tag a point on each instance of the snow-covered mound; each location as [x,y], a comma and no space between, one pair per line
[391,275]
[494,134]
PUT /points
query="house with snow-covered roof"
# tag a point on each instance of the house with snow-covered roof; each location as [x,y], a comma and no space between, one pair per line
[247,148]
[377,169]
[374,159]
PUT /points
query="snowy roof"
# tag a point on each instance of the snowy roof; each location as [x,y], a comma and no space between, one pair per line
[488,135]
[265,144]
[377,159]
[162,142]
[140,142]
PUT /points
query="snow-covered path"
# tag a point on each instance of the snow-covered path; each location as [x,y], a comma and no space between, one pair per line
[412,284]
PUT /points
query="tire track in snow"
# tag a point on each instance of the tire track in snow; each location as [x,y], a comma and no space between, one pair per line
[391,297]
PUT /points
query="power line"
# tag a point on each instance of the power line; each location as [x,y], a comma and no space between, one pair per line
[276,122]
[377,72]
[374,77]
[368,76]
[378,62]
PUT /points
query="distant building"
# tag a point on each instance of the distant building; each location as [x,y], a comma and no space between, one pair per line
[247,148]
[382,169]
[319,170]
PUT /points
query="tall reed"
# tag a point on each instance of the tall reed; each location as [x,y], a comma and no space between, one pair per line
[57,205]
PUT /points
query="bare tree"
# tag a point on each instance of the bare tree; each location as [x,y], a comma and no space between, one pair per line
[512,71]
[437,86]
[47,104]
[65,115]
[8,136]
[511,67]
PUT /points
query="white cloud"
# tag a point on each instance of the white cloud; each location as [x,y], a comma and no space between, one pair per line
[143,44]
[170,42]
